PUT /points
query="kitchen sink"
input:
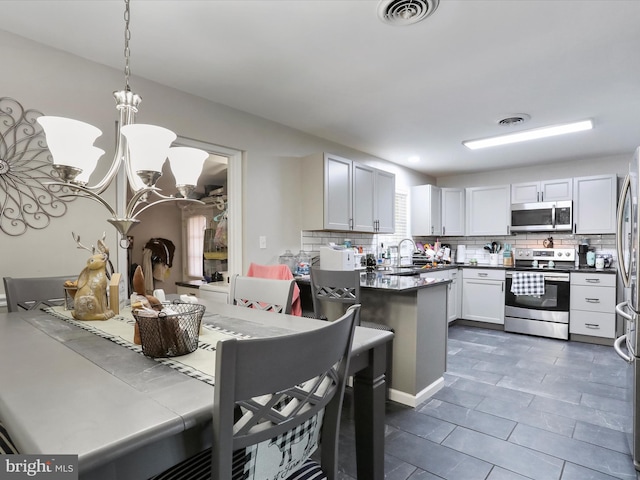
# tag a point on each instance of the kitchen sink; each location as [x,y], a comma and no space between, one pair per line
[406,271]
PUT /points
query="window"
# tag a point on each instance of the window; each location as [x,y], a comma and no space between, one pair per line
[196,225]
[401,219]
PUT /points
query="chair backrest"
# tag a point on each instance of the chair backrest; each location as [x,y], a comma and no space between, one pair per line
[261,293]
[28,292]
[333,291]
[283,391]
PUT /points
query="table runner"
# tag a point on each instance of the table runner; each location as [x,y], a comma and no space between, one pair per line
[200,364]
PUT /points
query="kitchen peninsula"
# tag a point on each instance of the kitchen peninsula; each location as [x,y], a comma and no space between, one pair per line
[416,309]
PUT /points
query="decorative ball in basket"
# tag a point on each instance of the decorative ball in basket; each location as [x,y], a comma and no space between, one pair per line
[172,332]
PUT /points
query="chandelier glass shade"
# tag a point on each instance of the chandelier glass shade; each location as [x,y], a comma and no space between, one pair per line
[140,149]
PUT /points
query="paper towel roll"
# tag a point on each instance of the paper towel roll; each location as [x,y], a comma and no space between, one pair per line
[461,254]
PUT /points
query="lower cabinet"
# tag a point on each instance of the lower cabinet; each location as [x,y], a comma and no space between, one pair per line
[483,295]
[453,291]
[592,305]
[180,290]
[214,293]
[454,298]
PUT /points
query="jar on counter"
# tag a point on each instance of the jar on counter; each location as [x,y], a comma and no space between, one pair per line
[303,263]
[288,259]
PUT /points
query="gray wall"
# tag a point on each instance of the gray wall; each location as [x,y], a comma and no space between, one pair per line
[57,83]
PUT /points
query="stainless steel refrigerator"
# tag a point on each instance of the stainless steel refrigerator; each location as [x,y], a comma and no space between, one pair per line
[627,345]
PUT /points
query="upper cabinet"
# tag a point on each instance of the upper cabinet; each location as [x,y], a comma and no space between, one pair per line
[544,191]
[385,202]
[488,210]
[426,214]
[350,197]
[594,204]
[452,211]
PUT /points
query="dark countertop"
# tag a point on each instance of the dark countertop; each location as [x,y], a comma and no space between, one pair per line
[610,271]
[389,280]
[191,283]
[199,283]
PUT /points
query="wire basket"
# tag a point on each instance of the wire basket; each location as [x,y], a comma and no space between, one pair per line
[170,335]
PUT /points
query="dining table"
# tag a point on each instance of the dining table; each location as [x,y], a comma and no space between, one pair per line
[64,389]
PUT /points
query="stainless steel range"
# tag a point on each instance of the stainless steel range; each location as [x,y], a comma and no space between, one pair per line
[543,309]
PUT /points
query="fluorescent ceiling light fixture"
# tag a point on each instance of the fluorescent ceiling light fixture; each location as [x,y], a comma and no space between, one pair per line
[529,135]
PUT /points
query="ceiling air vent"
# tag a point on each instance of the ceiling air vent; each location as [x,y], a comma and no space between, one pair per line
[405,12]
[516,119]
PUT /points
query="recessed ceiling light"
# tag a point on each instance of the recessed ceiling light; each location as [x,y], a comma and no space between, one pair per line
[529,135]
[413,159]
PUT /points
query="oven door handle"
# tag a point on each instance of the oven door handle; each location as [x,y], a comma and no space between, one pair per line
[547,277]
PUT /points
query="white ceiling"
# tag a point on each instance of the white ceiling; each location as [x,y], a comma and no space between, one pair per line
[333,69]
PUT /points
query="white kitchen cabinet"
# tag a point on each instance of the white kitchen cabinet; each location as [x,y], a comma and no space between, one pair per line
[452,200]
[594,204]
[425,210]
[483,295]
[453,290]
[488,210]
[343,195]
[182,290]
[385,202]
[364,191]
[214,293]
[543,191]
[592,305]
[454,300]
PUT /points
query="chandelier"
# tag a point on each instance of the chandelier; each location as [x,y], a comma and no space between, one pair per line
[141,149]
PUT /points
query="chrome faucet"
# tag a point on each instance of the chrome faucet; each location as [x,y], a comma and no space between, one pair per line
[399,263]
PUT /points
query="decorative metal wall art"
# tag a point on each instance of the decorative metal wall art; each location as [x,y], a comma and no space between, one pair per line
[27,200]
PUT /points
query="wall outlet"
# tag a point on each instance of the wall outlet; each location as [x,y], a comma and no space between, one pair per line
[263,241]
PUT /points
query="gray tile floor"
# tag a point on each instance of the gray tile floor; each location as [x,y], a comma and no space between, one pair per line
[513,407]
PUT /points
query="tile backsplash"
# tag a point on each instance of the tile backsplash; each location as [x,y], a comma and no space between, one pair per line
[311,241]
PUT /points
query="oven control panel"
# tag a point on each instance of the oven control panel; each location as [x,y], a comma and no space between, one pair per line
[556,254]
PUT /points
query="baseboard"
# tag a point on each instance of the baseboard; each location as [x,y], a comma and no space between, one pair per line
[415,400]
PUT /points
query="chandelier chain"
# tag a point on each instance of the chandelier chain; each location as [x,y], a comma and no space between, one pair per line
[127,52]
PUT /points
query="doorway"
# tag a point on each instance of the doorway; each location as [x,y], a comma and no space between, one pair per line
[212,171]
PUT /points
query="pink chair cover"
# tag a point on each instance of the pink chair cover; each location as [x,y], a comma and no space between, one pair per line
[278,272]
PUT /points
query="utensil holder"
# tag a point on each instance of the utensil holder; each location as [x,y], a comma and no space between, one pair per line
[493,259]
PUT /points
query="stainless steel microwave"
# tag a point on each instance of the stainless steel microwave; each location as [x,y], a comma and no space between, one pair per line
[542,217]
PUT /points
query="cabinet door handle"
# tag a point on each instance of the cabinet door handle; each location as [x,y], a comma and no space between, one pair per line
[594,326]
[542,196]
[592,300]
[443,229]
[592,280]
[483,274]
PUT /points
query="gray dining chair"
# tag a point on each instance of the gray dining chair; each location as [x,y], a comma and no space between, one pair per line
[6,444]
[30,292]
[333,291]
[261,293]
[274,399]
